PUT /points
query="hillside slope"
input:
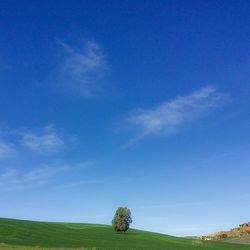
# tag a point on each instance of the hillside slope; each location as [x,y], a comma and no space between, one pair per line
[239,234]
[91,236]
[239,240]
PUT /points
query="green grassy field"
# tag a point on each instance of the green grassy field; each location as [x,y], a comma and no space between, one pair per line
[21,235]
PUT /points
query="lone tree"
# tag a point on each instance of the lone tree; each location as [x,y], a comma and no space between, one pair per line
[122,219]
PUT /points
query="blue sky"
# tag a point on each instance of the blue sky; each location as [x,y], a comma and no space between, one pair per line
[126,103]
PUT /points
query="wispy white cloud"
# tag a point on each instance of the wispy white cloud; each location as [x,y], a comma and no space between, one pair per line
[82,69]
[46,141]
[168,117]
[6,149]
[12,178]
[43,174]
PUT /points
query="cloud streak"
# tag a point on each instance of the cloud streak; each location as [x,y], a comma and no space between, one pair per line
[47,141]
[82,69]
[6,149]
[42,174]
[12,179]
[169,116]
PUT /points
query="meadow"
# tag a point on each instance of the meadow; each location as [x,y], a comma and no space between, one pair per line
[31,235]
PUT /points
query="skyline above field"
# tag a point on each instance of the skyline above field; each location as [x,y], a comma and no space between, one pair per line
[135,103]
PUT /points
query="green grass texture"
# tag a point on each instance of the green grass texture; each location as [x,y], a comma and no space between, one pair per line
[31,235]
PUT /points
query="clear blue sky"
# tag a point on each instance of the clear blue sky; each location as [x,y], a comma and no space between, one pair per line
[143,104]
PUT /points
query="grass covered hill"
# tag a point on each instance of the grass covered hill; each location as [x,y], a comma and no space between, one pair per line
[240,240]
[21,235]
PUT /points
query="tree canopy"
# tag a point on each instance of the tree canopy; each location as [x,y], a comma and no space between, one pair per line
[122,219]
